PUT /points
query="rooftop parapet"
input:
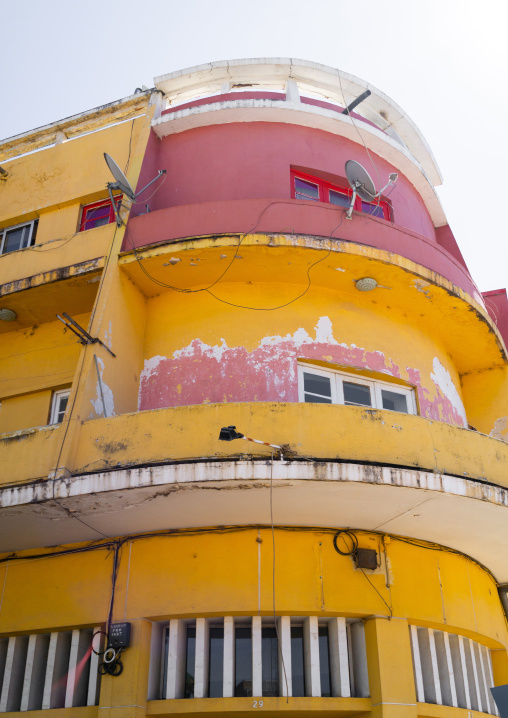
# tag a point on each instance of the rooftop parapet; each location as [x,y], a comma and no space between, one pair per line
[300,78]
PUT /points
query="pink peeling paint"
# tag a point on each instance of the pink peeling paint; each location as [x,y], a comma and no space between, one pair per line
[200,373]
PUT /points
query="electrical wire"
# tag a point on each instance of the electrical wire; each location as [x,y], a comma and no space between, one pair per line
[235,256]
[218,530]
[273,581]
[130,145]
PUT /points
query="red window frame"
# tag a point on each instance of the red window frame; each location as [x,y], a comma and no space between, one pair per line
[89,208]
[325,187]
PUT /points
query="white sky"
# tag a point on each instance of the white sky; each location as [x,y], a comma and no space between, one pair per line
[443,61]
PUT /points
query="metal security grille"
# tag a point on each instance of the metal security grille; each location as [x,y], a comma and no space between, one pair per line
[242,656]
[48,670]
[452,670]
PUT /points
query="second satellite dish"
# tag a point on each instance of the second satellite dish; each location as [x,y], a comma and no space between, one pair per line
[362,184]
[122,184]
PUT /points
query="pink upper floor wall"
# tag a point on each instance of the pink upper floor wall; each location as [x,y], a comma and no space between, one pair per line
[252,160]
[234,178]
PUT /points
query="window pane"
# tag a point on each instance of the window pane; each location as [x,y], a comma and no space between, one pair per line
[394,401]
[297,661]
[62,406]
[270,662]
[373,209]
[340,199]
[317,384]
[243,662]
[324,661]
[97,217]
[356,394]
[313,399]
[306,190]
[190,662]
[16,239]
[216,662]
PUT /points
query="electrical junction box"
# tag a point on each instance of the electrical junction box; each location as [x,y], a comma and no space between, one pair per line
[119,635]
[366,558]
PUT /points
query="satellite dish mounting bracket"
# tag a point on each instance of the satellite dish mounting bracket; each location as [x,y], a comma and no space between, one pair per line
[122,184]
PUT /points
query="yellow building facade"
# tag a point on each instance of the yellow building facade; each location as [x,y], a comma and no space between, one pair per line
[351,559]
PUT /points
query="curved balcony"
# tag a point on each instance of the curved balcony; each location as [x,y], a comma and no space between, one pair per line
[343,466]
[298,217]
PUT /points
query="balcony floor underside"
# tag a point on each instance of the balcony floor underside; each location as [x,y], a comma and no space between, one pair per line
[429,506]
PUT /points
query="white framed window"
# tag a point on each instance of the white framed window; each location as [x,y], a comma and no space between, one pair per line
[59,405]
[328,386]
[18,237]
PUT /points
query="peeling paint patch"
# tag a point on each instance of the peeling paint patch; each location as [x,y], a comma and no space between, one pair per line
[108,334]
[422,286]
[200,373]
[500,429]
[441,377]
[109,401]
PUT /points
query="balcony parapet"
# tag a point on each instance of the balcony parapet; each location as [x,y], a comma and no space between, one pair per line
[319,432]
[342,466]
[313,219]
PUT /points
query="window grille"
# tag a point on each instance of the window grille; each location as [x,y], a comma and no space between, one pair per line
[48,670]
[239,656]
[452,670]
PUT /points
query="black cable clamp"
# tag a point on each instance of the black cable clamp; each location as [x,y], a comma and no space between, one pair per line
[117,640]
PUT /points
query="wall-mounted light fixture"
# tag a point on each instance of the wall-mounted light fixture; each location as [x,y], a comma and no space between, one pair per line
[7,315]
[229,433]
[366,284]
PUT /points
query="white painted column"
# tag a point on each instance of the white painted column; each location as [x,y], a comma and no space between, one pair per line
[30,657]
[228,671]
[202,658]
[493,705]
[435,667]
[257,667]
[463,664]
[420,695]
[358,659]
[56,670]
[292,91]
[73,662]
[339,661]
[475,676]
[451,673]
[175,676]
[311,656]
[7,674]
[93,679]
[285,672]
[35,671]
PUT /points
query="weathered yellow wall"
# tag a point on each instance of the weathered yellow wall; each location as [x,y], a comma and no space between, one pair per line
[486,395]
[309,430]
[38,357]
[73,170]
[217,574]
[22,412]
[342,331]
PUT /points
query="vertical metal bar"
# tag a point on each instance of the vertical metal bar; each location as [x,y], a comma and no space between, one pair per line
[100,384]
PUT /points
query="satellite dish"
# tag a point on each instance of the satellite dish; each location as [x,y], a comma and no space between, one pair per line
[360,180]
[122,183]
[121,180]
[362,184]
